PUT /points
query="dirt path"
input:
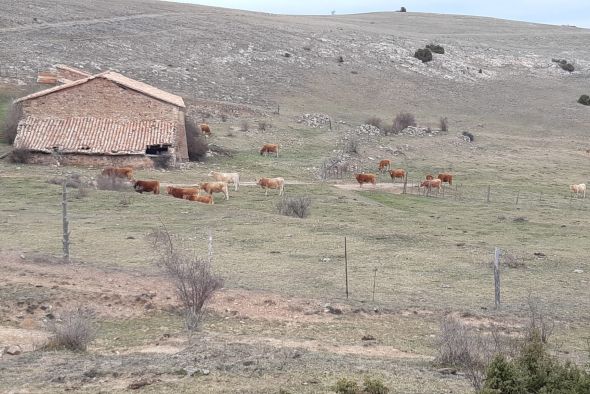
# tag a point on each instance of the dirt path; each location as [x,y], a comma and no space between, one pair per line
[85,22]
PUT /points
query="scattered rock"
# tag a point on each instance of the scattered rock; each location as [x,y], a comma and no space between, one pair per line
[194,371]
[447,371]
[368,337]
[248,362]
[330,309]
[579,271]
[540,254]
[13,350]
[315,120]
[142,383]
[325,259]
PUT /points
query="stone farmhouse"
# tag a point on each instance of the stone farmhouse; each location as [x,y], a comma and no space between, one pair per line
[102,119]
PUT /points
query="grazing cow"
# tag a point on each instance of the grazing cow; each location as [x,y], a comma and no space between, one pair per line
[446,177]
[229,177]
[182,192]
[366,178]
[215,187]
[272,183]
[432,184]
[206,199]
[147,186]
[384,164]
[118,172]
[429,177]
[269,148]
[397,173]
[579,189]
[205,129]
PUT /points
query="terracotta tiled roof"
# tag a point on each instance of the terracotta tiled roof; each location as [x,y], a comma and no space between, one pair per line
[82,73]
[93,135]
[119,79]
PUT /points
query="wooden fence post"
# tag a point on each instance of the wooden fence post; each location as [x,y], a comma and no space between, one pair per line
[346,267]
[374,280]
[65,223]
[488,195]
[405,183]
[517,195]
[497,277]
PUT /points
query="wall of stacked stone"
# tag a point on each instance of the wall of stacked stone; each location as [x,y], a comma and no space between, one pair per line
[100,98]
[135,161]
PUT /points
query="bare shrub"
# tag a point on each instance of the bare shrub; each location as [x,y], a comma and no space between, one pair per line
[244,125]
[443,124]
[469,350]
[346,386]
[567,67]
[295,206]
[9,127]
[403,120]
[539,325]
[340,59]
[20,156]
[263,125]
[82,191]
[423,54]
[403,9]
[223,117]
[375,121]
[192,276]
[74,330]
[196,143]
[352,146]
[584,99]
[105,182]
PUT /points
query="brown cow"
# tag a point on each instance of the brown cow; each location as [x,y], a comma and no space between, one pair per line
[205,129]
[182,192]
[215,187]
[397,173]
[118,172]
[272,183]
[269,148]
[383,164]
[366,178]
[446,177]
[432,184]
[147,186]
[429,177]
[206,199]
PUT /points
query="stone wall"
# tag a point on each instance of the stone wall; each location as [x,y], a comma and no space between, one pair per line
[100,98]
[135,161]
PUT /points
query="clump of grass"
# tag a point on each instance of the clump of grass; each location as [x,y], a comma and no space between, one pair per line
[352,146]
[346,386]
[244,125]
[263,125]
[299,206]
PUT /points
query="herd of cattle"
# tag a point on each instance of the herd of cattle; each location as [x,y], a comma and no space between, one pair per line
[400,173]
[223,179]
[220,185]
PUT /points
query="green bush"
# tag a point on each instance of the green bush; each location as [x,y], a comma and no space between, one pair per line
[436,48]
[374,386]
[346,386]
[423,54]
[535,371]
[584,99]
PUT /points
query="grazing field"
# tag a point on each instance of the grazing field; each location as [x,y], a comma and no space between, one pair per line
[282,320]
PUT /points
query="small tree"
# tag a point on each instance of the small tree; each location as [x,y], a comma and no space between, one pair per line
[192,276]
[196,144]
[9,127]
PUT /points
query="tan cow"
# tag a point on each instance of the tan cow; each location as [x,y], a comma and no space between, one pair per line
[397,173]
[272,183]
[205,129]
[206,199]
[229,177]
[118,172]
[383,164]
[215,187]
[432,184]
[182,192]
[366,178]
